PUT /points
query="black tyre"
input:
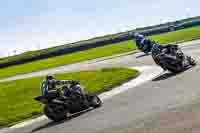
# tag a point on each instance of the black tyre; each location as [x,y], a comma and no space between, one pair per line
[191,61]
[174,70]
[95,101]
[171,66]
[55,112]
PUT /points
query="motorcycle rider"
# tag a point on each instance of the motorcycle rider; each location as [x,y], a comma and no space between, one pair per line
[147,45]
[48,86]
[143,43]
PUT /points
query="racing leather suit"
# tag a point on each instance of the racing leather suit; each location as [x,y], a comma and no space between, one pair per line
[48,87]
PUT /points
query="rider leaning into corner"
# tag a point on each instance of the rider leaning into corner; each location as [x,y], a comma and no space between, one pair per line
[147,45]
[50,83]
[143,43]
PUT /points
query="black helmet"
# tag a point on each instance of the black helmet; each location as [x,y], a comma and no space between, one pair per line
[50,77]
[131,34]
[75,82]
[138,37]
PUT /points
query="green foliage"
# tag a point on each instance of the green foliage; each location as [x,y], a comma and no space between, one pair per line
[17,101]
[31,54]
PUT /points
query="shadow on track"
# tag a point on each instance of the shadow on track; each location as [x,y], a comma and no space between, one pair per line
[164,76]
[167,75]
[52,123]
[142,55]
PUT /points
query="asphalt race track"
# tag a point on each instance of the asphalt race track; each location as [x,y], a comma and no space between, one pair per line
[167,104]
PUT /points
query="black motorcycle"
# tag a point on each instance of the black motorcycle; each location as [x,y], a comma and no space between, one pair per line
[61,107]
[171,58]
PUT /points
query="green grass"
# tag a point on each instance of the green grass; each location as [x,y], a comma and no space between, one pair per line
[180,35]
[126,46]
[67,59]
[17,96]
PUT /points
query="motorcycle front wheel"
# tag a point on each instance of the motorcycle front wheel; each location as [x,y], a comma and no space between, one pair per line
[191,61]
[95,101]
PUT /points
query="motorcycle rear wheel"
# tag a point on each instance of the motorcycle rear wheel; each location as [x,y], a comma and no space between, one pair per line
[55,112]
[174,70]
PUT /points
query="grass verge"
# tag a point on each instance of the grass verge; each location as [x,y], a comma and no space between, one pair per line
[180,35]
[67,59]
[117,48]
[17,96]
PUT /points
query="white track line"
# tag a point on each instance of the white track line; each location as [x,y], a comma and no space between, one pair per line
[147,73]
